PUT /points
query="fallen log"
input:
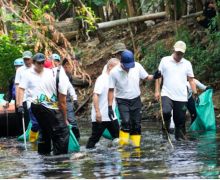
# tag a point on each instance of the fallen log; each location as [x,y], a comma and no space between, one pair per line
[118,22]
[192,15]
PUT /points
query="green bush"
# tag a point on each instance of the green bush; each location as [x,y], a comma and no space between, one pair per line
[153,55]
[9,51]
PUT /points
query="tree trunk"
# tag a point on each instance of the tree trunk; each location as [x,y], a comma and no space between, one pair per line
[198,5]
[130,8]
[3,14]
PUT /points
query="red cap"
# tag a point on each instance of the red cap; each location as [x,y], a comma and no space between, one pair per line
[48,64]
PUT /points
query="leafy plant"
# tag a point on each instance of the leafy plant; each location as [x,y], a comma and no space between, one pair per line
[9,50]
[90,20]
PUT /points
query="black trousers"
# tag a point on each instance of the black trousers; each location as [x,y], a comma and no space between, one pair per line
[26,113]
[52,128]
[192,109]
[179,115]
[130,114]
[99,128]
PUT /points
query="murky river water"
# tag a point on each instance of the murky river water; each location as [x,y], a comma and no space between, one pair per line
[197,157]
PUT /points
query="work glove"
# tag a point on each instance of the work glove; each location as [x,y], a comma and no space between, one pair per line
[20,109]
[75,105]
[208,87]
[196,98]
[157,74]
[110,113]
[6,106]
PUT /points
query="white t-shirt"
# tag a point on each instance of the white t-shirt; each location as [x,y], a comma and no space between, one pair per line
[101,88]
[41,88]
[175,78]
[104,69]
[127,84]
[18,77]
[72,92]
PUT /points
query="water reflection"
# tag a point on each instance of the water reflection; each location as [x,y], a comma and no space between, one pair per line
[194,158]
[208,153]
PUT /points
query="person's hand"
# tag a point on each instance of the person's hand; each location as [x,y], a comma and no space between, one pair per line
[98,117]
[110,113]
[157,74]
[75,104]
[6,105]
[208,87]
[157,96]
[196,98]
[20,109]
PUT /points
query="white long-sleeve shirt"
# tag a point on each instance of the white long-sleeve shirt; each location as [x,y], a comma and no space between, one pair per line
[198,85]
[72,92]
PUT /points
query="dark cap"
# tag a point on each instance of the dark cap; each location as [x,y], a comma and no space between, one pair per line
[127,59]
[39,57]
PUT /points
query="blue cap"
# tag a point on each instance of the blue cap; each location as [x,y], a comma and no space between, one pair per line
[19,62]
[127,59]
[39,57]
[56,57]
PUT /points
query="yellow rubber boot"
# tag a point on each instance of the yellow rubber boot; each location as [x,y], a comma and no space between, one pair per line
[135,140]
[123,138]
[33,136]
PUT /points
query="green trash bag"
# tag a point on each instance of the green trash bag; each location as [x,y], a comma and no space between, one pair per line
[106,134]
[27,132]
[205,120]
[73,145]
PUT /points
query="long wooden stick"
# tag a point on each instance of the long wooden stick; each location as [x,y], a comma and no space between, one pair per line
[163,122]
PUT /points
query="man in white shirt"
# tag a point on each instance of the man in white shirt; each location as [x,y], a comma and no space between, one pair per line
[27,58]
[72,103]
[46,91]
[56,59]
[125,80]
[175,71]
[191,103]
[99,113]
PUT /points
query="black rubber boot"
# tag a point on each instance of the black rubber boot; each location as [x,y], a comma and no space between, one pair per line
[180,134]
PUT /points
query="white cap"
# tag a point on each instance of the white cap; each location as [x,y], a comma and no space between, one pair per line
[180,46]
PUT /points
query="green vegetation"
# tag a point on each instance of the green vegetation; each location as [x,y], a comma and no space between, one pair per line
[9,50]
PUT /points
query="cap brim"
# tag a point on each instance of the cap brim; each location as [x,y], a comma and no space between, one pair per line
[26,57]
[40,60]
[179,50]
[128,65]
[115,52]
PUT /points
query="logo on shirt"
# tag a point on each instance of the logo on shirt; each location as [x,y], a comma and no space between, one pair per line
[51,102]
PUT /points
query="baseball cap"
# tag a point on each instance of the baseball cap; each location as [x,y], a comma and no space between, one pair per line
[48,64]
[127,59]
[55,57]
[118,47]
[180,46]
[39,57]
[27,54]
[19,62]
